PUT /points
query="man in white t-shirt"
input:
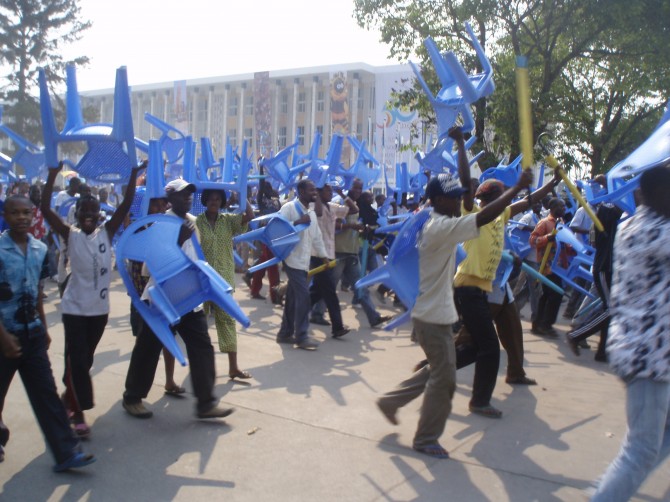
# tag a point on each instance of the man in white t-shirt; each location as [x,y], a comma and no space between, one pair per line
[434,311]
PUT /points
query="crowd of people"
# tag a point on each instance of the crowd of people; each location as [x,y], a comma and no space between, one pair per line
[462,315]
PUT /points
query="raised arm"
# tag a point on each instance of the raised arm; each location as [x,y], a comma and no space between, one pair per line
[248,213]
[491,211]
[463,167]
[52,218]
[539,194]
[119,215]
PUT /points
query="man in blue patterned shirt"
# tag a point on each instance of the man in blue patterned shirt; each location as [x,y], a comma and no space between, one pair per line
[23,336]
[639,337]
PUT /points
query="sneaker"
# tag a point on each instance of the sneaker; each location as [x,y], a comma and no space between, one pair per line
[318,319]
[137,410]
[215,412]
[381,320]
[306,344]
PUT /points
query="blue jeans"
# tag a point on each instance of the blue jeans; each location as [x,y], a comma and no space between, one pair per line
[647,442]
[349,267]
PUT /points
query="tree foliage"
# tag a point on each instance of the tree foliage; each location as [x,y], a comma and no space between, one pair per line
[32,35]
[599,71]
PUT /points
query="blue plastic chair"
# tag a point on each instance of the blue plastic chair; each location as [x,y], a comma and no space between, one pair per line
[29,156]
[508,174]
[401,270]
[179,283]
[201,181]
[154,180]
[111,148]
[279,235]
[364,168]
[579,265]
[446,114]
[623,179]
[457,86]
[517,240]
[278,168]
[171,139]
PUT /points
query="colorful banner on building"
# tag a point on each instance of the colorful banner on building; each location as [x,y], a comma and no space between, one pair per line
[180,106]
[339,110]
[262,114]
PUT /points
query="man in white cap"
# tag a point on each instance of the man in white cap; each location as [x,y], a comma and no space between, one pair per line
[192,328]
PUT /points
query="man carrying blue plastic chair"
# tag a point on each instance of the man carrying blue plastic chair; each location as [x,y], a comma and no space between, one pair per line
[192,328]
[434,311]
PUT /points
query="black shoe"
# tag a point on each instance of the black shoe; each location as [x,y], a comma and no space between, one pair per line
[574,346]
[215,412]
[306,344]
[319,320]
[341,332]
[285,339]
[381,320]
[246,277]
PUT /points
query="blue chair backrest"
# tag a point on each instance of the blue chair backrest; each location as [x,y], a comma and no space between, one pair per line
[111,150]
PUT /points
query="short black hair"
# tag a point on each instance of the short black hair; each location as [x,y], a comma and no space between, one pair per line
[208,192]
[86,198]
[654,181]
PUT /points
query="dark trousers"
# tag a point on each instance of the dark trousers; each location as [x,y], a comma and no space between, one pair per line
[144,360]
[510,332]
[550,303]
[323,288]
[34,368]
[295,319]
[484,349]
[82,335]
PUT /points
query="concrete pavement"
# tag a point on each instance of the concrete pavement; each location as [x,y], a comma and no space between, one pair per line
[306,426]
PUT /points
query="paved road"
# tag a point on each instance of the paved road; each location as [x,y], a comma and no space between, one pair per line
[306,427]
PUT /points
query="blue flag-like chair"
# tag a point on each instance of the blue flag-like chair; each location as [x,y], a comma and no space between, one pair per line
[623,179]
[278,168]
[179,284]
[507,174]
[29,156]
[111,150]
[579,265]
[279,235]
[457,86]
[401,270]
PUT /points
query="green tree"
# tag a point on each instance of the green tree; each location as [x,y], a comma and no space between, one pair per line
[598,70]
[32,35]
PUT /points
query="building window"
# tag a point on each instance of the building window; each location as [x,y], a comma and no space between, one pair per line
[283,106]
[281,137]
[301,102]
[249,136]
[320,101]
[359,99]
[232,137]
[300,130]
[249,105]
[359,132]
[232,106]
[372,98]
[319,129]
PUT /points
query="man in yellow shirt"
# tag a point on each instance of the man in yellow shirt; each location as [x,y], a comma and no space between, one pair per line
[473,281]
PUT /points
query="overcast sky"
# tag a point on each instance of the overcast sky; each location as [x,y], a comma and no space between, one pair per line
[165,40]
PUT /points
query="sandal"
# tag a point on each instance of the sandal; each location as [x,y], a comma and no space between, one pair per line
[175,391]
[243,375]
[432,450]
[487,411]
[75,461]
